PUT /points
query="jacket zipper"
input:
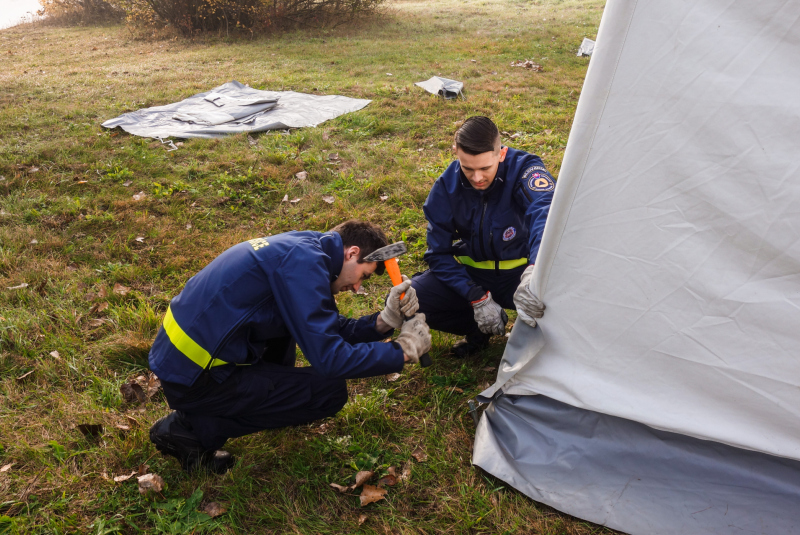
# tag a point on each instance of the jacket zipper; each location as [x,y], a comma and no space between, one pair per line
[480,234]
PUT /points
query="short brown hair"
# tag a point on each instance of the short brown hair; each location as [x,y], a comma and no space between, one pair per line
[365,235]
[477,135]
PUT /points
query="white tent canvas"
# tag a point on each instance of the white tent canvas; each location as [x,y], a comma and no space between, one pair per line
[670,267]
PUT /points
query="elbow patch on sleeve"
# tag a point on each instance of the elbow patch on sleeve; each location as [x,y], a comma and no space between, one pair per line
[536,178]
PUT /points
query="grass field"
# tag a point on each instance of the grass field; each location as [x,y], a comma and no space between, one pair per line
[100,267]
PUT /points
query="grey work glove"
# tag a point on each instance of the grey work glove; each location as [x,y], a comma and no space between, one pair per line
[415,338]
[396,310]
[529,307]
[490,317]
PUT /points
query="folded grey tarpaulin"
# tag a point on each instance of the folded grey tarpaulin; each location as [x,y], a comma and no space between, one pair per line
[232,108]
[444,87]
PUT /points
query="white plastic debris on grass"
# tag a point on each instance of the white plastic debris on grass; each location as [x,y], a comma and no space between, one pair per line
[444,87]
[233,108]
[586,48]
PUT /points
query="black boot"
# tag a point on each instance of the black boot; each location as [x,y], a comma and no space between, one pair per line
[172,435]
[473,343]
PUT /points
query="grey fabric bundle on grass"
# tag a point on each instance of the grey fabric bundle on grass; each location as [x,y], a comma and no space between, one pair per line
[234,108]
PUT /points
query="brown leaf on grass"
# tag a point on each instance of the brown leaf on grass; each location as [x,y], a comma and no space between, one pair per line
[285,198]
[131,420]
[488,368]
[150,384]
[459,390]
[547,132]
[127,183]
[119,289]
[90,430]
[330,199]
[139,196]
[98,307]
[419,455]
[361,478]
[338,487]
[333,156]
[143,468]
[102,293]
[24,375]
[132,393]
[96,322]
[392,377]
[370,494]
[383,197]
[213,509]
[362,519]
[120,479]
[302,175]
[123,428]
[6,467]
[139,239]
[387,481]
[295,201]
[150,482]
[55,355]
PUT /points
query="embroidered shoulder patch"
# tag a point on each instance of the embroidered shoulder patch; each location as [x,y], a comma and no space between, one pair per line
[538,179]
[509,234]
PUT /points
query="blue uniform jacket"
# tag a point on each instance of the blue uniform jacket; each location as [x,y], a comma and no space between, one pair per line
[503,222]
[270,288]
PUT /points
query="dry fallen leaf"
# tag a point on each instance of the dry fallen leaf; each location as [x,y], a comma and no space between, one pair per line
[362,519]
[383,197]
[387,481]
[362,477]
[24,375]
[120,479]
[150,482]
[55,354]
[6,467]
[333,156]
[140,239]
[98,307]
[338,487]
[143,468]
[295,201]
[96,322]
[392,377]
[302,175]
[370,494]
[104,475]
[127,183]
[285,198]
[119,289]
[19,287]
[139,196]
[459,390]
[253,141]
[102,293]
[132,392]
[419,455]
[213,509]
[34,241]
[328,199]
[90,430]
[189,226]
[131,420]
[489,369]
[122,427]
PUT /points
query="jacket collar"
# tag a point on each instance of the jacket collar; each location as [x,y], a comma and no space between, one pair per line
[332,246]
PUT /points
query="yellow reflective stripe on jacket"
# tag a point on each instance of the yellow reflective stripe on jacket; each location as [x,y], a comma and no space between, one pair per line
[491,264]
[186,345]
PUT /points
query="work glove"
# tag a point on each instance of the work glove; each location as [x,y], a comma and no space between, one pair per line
[490,317]
[397,310]
[415,338]
[529,307]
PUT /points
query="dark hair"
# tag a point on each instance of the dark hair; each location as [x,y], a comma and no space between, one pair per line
[477,135]
[365,235]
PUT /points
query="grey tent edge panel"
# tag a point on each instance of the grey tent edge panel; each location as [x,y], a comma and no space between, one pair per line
[631,477]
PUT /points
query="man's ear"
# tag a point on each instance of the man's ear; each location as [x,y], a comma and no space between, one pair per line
[352,252]
[503,152]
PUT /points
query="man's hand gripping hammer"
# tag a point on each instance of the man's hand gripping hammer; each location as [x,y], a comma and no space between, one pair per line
[388,255]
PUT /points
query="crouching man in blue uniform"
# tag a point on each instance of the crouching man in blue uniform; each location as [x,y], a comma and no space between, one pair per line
[486,214]
[226,352]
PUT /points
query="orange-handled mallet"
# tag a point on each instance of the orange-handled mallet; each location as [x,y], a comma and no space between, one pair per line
[388,255]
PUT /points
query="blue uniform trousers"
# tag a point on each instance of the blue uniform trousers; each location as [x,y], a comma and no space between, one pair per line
[268,394]
[447,311]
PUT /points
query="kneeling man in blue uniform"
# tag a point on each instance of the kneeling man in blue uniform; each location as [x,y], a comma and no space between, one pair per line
[226,352]
[486,214]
